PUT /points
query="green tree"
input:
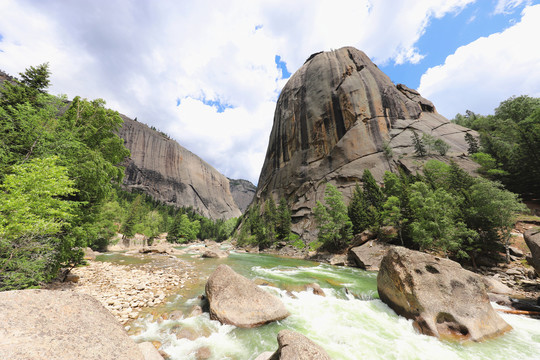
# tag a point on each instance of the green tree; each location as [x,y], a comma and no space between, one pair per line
[474,147]
[270,217]
[441,147]
[34,82]
[358,211]
[436,225]
[134,217]
[35,209]
[333,223]
[491,212]
[182,229]
[283,226]
[375,199]
[419,147]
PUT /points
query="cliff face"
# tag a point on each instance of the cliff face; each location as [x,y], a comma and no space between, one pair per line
[334,118]
[171,174]
[242,192]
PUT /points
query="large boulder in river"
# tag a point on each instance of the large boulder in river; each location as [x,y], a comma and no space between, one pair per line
[236,300]
[441,297]
[532,238]
[295,346]
[338,115]
[58,325]
[369,255]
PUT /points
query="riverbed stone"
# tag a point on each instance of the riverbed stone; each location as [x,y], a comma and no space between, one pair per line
[369,255]
[149,351]
[58,325]
[295,346]
[236,300]
[317,290]
[215,254]
[532,239]
[442,298]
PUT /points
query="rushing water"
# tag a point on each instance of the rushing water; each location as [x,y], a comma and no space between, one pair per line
[349,323]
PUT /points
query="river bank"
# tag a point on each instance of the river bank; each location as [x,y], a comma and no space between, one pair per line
[125,290]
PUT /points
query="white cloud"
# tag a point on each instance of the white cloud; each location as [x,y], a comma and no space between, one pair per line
[478,76]
[142,56]
[507,6]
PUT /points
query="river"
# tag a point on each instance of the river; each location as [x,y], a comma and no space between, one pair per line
[350,322]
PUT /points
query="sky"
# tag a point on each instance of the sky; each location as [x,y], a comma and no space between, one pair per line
[209,72]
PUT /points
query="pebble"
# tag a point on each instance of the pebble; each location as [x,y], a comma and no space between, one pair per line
[124,290]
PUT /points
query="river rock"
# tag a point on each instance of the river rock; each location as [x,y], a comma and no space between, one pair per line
[494,286]
[295,346]
[149,351]
[532,239]
[215,254]
[267,355]
[58,325]
[441,297]
[369,255]
[89,254]
[236,300]
[317,290]
[336,116]
[515,251]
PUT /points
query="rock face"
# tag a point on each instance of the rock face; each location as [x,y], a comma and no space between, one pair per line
[442,298]
[237,301]
[242,192]
[44,324]
[369,255]
[532,238]
[335,117]
[171,174]
[295,346]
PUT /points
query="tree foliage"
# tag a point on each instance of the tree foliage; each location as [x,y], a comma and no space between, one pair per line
[509,143]
[333,223]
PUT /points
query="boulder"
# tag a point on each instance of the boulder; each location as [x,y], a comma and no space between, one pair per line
[339,260]
[369,255]
[89,254]
[532,239]
[57,325]
[441,297]
[267,355]
[236,300]
[295,346]
[149,351]
[494,286]
[515,251]
[317,290]
[215,254]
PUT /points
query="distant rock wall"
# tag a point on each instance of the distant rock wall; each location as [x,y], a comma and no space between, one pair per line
[242,192]
[334,118]
[168,172]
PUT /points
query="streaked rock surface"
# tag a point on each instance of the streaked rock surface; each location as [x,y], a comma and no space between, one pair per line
[334,118]
[168,172]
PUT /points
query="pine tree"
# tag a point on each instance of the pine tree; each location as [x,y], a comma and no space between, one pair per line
[473,144]
[358,211]
[283,226]
[133,217]
[270,221]
[419,147]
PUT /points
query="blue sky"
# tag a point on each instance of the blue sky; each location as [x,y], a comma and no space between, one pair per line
[209,72]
